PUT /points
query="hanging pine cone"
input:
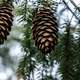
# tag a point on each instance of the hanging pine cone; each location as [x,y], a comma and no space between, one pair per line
[6,19]
[44,30]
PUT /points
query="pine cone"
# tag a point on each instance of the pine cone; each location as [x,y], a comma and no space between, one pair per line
[44,30]
[6,19]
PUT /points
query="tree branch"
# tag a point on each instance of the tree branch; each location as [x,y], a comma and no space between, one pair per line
[75,5]
[70,10]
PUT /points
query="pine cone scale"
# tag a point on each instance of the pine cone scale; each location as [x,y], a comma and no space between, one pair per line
[42,17]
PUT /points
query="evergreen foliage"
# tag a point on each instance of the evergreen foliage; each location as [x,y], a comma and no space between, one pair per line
[35,65]
[65,55]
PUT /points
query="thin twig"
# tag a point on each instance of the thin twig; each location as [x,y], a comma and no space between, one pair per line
[71,10]
[75,5]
